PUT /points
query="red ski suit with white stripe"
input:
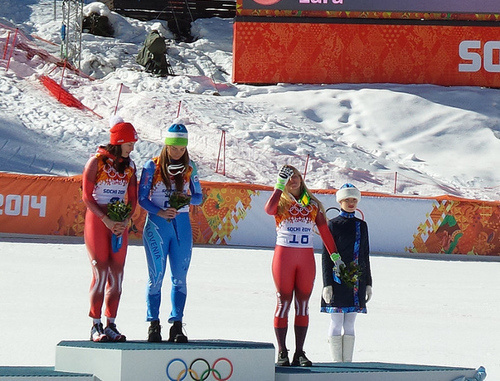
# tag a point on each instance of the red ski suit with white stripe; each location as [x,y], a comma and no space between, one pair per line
[294,267]
[101,185]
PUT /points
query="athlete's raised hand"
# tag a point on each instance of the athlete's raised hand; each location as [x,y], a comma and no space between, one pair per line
[284,175]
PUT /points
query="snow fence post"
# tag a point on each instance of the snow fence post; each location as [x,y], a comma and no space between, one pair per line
[12,50]
[222,146]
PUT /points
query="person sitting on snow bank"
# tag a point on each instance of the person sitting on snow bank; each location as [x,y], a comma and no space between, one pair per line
[153,54]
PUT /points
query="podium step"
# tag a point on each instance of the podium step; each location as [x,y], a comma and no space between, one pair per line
[375,372]
[226,361]
[140,360]
[47,373]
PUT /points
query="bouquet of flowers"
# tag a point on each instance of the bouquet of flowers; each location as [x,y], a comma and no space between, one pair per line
[350,274]
[179,199]
[118,211]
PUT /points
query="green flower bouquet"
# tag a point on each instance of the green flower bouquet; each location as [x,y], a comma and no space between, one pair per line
[179,200]
[350,274]
[118,211]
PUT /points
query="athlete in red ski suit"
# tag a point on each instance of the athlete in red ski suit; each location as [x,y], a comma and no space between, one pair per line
[108,176]
[296,211]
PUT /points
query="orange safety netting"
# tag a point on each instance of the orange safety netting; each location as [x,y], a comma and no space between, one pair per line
[61,94]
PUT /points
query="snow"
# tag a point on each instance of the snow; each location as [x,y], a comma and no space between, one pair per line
[437,139]
[433,140]
[423,311]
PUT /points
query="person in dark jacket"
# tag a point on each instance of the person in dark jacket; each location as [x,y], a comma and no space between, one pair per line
[346,293]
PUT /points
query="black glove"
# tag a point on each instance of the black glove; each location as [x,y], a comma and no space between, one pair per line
[283,176]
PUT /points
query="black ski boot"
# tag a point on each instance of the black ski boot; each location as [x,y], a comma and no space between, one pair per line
[176,334]
[154,332]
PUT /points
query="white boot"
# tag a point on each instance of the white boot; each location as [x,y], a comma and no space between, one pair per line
[347,348]
[335,343]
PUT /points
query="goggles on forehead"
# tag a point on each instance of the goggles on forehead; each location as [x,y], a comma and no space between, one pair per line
[175,169]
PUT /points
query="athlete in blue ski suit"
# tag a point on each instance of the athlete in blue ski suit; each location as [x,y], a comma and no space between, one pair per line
[167,231]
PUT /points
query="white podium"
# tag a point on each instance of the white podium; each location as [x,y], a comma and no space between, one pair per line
[143,361]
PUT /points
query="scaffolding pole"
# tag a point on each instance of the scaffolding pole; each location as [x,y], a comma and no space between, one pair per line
[71,31]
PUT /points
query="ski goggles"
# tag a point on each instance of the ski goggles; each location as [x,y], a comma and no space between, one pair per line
[176,169]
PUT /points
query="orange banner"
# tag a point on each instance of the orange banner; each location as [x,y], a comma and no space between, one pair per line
[297,52]
[45,205]
[41,205]
[233,214]
[459,227]
[402,9]
[240,11]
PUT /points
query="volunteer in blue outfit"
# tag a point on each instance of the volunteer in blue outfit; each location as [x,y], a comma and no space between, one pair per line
[344,300]
[167,231]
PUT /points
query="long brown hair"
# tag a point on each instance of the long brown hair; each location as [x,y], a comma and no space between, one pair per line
[165,162]
[120,164]
[287,198]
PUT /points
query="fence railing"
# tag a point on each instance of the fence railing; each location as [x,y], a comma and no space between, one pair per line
[179,9]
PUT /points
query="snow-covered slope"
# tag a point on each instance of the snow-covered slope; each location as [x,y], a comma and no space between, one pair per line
[433,140]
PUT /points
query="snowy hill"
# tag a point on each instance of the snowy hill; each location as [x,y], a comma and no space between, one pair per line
[431,140]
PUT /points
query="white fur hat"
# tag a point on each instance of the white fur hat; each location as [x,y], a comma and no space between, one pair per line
[348,191]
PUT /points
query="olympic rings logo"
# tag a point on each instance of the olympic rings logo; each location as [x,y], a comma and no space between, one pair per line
[113,173]
[295,210]
[204,374]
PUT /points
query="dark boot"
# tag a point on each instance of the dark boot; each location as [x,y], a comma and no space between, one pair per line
[154,332]
[176,334]
[283,359]
[300,359]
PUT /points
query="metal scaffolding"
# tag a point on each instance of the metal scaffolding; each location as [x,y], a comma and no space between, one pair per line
[71,31]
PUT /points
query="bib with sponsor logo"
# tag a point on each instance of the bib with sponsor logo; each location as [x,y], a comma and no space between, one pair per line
[294,226]
[110,185]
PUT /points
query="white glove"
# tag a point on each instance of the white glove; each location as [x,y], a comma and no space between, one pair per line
[369,293]
[283,176]
[328,294]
